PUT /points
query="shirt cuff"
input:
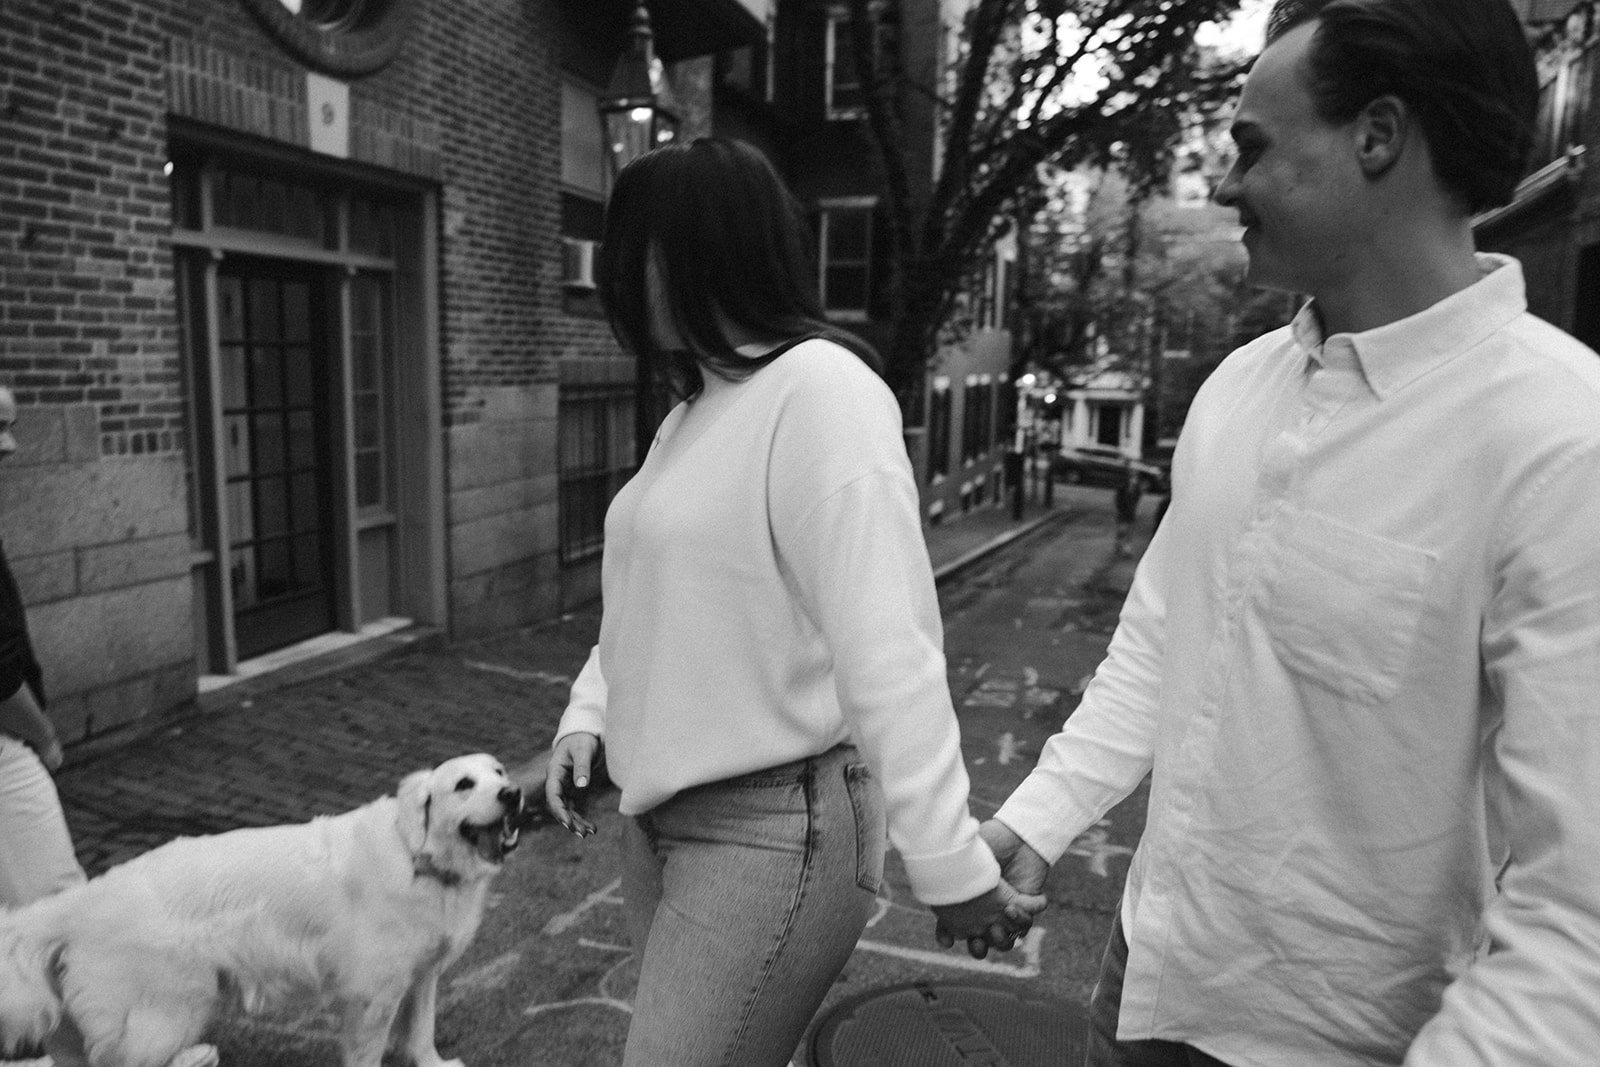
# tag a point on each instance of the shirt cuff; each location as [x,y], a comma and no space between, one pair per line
[953,877]
[1046,820]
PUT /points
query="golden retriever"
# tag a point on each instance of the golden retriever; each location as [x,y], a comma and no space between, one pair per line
[360,911]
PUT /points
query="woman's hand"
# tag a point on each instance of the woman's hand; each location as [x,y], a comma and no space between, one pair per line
[996,918]
[566,783]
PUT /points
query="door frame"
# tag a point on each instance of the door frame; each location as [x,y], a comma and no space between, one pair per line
[418,561]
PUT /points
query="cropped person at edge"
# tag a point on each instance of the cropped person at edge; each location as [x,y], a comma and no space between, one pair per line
[769,684]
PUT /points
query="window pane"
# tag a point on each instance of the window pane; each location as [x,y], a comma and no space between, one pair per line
[266,378]
[305,501]
[582,143]
[302,440]
[230,308]
[849,235]
[369,479]
[846,288]
[269,442]
[272,506]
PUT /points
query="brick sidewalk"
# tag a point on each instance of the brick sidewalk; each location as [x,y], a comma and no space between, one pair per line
[324,738]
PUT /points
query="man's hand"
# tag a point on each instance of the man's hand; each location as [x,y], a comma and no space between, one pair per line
[995,919]
[1019,863]
[573,762]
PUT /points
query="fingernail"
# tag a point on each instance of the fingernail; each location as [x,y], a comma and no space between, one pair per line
[580,782]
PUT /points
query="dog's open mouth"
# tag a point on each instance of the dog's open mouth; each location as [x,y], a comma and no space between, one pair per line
[493,841]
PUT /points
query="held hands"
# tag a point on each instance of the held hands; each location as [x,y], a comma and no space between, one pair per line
[573,762]
[1005,913]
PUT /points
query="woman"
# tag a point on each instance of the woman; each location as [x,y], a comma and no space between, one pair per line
[36,854]
[770,651]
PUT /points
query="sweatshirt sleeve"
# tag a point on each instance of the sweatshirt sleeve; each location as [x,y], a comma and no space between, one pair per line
[586,707]
[846,521]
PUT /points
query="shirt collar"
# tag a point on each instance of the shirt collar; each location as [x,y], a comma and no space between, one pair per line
[1397,354]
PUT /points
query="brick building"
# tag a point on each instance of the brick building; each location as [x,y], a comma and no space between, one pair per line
[1553,224]
[802,100]
[292,298]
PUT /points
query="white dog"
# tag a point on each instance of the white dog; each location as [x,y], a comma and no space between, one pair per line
[360,911]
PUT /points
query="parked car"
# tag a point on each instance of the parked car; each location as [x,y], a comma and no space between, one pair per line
[1104,465]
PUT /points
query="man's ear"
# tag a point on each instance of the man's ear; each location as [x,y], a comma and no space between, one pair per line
[1381,130]
[415,802]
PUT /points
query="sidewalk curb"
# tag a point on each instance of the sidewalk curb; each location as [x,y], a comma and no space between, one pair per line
[949,570]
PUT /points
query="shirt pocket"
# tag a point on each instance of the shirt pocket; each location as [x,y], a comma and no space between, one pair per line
[1343,606]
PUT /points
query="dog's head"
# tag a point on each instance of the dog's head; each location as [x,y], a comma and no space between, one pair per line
[460,819]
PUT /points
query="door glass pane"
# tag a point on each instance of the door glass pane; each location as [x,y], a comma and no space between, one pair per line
[302,440]
[269,457]
[264,319]
[273,576]
[307,560]
[241,517]
[230,308]
[233,377]
[238,445]
[266,368]
[369,479]
[272,507]
[297,376]
[296,311]
[305,501]
[242,576]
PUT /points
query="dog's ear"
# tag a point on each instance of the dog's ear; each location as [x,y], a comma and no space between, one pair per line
[414,801]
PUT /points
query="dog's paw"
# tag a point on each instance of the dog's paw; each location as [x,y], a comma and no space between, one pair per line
[196,1056]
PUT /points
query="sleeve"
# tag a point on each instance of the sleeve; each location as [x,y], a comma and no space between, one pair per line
[1532,998]
[1107,745]
[586,707]
[17,663]
[860,565]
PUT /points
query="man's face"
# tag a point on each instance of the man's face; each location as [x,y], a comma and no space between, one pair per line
[1296,182]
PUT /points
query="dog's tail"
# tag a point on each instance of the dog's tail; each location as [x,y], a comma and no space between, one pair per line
[30,1004]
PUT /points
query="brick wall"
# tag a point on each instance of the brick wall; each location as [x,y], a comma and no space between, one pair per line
[95,511]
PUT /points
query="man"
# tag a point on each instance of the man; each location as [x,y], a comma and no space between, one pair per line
[1361,657]
[36,855]
[1125,499]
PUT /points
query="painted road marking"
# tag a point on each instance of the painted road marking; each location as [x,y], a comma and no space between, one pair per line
[491,974]
[606,894]
[543,677]
[1094,845]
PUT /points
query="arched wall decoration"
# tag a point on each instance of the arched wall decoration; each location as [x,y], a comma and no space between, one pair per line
[343,38]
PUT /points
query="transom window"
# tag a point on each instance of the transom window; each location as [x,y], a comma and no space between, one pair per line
[844,256]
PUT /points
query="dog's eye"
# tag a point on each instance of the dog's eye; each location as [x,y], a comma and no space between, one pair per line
[464,785]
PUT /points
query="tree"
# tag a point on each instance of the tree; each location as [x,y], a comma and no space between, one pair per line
[1032,82]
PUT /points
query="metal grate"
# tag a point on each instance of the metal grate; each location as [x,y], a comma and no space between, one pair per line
[938,1025]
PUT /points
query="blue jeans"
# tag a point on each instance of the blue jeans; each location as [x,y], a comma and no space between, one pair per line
[1105,1008]
[745,898]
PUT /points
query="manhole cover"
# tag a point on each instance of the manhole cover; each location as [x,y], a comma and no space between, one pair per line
[931,1024]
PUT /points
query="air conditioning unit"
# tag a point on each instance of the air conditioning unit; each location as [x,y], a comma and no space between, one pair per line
[577,256]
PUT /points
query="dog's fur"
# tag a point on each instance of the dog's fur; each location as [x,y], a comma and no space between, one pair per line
[360,911]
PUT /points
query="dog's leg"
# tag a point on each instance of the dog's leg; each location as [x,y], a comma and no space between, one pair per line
[364,1031]
[421,1004]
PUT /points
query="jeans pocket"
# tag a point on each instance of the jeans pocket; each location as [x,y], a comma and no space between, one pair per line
[866,803]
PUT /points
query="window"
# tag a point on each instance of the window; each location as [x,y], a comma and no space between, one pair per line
[844,256]
[584,183]
[842,91]
[595,459]
[1561,103]
[369,390]
[939,429]
[977,418]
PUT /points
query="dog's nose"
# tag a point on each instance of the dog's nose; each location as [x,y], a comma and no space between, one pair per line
[511,797]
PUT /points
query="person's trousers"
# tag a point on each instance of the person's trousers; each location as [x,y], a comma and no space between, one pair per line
[1105,1008]
[745,898]
[36,856]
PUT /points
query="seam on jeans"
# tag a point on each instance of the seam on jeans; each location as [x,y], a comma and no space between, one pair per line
[807,783]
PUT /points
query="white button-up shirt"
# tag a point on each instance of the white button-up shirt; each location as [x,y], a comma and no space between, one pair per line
[1361,657]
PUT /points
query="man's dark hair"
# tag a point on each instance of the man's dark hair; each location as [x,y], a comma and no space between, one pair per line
[1463,67]
[730,239]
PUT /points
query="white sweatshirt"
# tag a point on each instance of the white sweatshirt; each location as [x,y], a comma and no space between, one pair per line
[768,595]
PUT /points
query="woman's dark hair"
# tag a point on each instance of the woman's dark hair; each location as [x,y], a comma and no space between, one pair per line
[728,237]
[1463,67]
